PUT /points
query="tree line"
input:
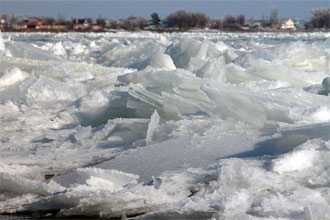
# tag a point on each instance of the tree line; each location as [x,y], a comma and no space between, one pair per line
[180,20]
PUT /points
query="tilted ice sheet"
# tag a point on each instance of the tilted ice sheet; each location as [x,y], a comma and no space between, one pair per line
[173,125]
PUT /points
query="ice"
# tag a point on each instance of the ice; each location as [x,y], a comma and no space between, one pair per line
[221,46]
[49,90]
[25,50]
[188,148]
[109,180]
[152,87]
[215,69]
[165,126]
[263,54]
[322,89]
[326,84]
[284,73]
[2,45]
[19,185]
[162,61]
[93,108]
[232,104]
[303,56]
[12,77]
[137,55]
[153,124]
[78,49]
[182,51]
[17,91]
[295,161]
[230,55]
[237,74]
[58,49]
[93,45]
[326,43]
[319,114]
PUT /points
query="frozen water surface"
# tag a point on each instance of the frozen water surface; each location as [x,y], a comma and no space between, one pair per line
[165,126]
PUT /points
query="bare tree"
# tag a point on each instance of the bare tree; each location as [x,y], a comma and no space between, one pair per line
[178,19]
[13,20]
[273,17]
[5,17]
[48,20]
[61,19]
[113,24]
[90,21]
[240,19]
[133,23]
[229,19]
[320,18]
[263,20]
[155,19]
[101,22]
[198,20]
[216,24]
[230,22]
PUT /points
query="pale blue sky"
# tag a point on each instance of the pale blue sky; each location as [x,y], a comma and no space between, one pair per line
[124,8]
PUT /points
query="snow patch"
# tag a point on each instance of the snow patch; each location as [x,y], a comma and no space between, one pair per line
[295,161]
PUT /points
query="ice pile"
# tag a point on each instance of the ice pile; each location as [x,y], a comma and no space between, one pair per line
[2,45]
[177,125]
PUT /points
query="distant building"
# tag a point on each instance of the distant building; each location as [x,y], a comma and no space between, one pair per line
[80,21]
[266,24]
[299,25]
[32,23]
[97,28]
[80,24]
[19,27]
[57,28]
[288,25]
[255,25]
[2,24]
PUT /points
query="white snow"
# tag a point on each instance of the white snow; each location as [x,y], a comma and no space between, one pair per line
[295,161]
[162,61]
[58,49]
[12,77]
[2,44]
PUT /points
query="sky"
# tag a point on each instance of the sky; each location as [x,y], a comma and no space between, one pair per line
[299,9]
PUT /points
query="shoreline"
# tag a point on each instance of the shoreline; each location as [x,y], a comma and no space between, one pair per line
[171,31]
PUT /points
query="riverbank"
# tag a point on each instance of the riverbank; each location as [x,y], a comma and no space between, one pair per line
[169,30]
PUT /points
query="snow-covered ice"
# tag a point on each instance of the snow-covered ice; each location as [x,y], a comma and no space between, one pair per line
[165,126]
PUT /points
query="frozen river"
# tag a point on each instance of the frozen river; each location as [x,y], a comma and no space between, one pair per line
[165,126]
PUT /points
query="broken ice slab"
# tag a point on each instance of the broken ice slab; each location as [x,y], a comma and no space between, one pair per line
[27,51]
[135,56]
[278,70]
[48,90]
[2,45]
[214,69]
[152,126]
[169,106]
[29,65]
[11,77]
[161,61]
[179,82]
[110,180]
[326,43]
[232,104]
[302,56]
[183,50]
